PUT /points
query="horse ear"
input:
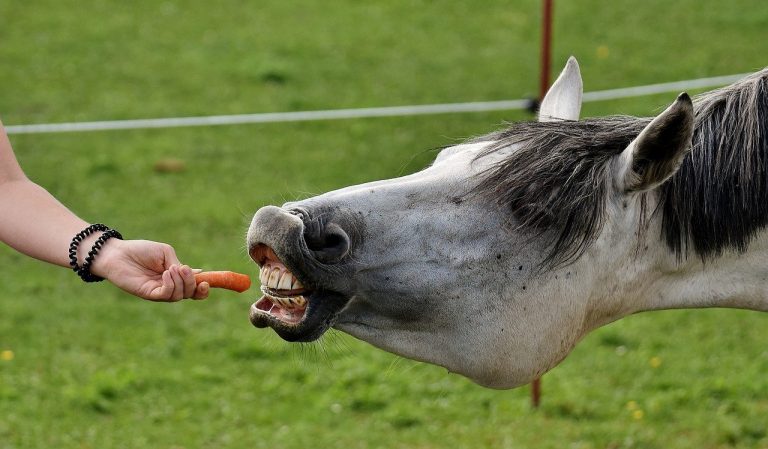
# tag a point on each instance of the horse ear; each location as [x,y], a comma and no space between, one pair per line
[656,154]
[563,99]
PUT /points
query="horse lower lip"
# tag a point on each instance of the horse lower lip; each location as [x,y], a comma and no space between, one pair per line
[321,309]
[287,311]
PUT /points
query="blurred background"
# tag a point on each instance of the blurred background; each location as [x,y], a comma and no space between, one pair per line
[86,366]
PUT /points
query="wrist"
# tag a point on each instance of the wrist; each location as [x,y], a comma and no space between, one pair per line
[86,245]
[84,261]
[103,263]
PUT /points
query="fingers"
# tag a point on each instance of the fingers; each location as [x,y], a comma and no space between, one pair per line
[178,282]
[164,293]
[188,279]
[202,291]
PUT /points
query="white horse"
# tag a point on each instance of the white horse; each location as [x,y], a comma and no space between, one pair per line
[498,258]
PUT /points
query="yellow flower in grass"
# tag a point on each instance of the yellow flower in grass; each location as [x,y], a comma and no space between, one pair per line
[7,355]
[633,407]
[655,362]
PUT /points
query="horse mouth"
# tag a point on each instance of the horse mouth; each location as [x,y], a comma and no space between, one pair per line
[293,311]
[284,297]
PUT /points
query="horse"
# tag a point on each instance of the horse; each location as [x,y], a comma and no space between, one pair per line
[500,256]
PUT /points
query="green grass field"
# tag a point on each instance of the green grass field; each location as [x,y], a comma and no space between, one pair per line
[86,366]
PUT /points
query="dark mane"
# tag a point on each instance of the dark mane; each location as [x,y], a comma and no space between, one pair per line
[718,200]
[558,180]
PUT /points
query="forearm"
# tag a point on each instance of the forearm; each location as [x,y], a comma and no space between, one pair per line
[34,223]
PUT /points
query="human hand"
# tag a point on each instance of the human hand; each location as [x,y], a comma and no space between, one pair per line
[149,270]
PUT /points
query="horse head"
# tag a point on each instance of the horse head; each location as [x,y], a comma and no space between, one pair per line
[500,256]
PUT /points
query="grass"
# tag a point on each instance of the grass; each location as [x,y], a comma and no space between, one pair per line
[89,367]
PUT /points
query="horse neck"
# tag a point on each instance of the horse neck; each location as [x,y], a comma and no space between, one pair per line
[716,207]
[734,279]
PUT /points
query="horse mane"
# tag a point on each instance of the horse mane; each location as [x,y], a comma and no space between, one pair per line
[558,179]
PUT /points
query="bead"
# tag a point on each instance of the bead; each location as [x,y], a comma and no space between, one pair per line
[84,271]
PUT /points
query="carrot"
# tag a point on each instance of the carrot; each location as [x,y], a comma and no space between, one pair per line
[225,279]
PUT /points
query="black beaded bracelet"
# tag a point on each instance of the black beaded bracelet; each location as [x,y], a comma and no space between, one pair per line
[84,271]
[78,238]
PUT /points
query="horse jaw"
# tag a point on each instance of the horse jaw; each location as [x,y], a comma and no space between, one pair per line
[509,346]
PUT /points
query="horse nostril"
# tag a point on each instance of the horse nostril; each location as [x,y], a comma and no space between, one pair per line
[329,245]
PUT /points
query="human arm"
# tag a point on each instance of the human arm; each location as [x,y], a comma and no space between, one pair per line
[36,224]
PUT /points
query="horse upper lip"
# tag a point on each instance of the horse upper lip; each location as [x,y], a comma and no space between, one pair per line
[277,236]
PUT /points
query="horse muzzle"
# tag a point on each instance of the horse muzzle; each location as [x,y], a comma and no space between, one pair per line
[301,278]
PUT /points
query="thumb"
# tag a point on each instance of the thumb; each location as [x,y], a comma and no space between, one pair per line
[169,256]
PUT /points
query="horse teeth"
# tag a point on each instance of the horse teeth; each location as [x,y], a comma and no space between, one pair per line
[285,281]
[268,269]
[295,285]
[300,301]
[265,277]
[274,276]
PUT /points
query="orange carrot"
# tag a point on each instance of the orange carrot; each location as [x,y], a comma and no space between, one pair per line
[225,279]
